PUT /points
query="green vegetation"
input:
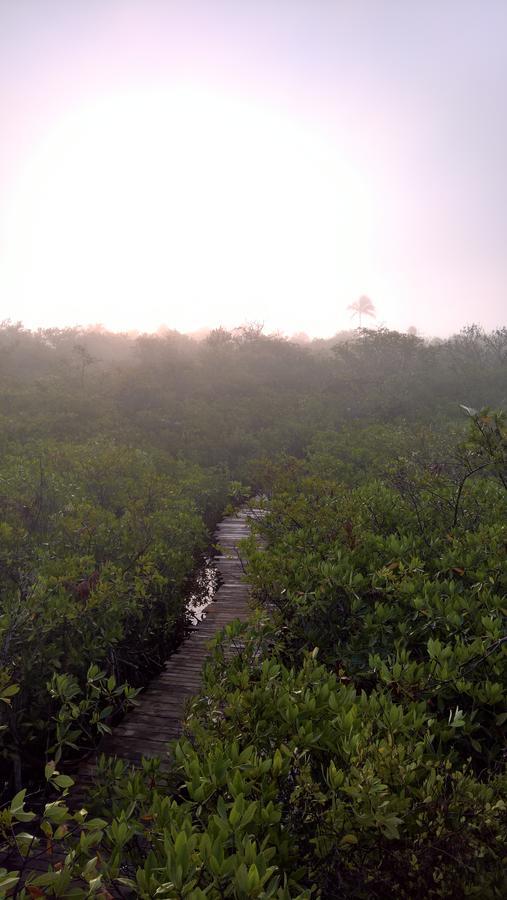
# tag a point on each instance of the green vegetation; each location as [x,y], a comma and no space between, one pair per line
[97,541]
[240,395]
[355,745]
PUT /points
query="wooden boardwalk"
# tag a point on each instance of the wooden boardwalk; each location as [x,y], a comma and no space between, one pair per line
[158,719]
[146,730]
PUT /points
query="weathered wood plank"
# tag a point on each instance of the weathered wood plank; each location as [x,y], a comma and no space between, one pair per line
[146,730]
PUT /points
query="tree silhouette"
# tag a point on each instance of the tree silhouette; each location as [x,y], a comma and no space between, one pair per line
[362,307]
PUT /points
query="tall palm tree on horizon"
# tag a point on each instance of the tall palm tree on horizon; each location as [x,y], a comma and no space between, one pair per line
[362,307]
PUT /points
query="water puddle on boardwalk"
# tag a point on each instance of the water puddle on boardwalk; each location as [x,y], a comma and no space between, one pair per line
[203,588]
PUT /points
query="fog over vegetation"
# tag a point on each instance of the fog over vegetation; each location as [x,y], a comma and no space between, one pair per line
[356,744]
[311,195]
[235,395]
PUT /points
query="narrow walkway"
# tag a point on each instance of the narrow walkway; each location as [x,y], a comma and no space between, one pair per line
[146,730]
[158,719]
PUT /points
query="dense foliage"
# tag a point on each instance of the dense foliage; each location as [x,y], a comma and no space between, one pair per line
[235,396]
[97,540]
[354,746]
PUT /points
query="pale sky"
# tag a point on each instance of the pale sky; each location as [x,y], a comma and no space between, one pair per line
[203,163]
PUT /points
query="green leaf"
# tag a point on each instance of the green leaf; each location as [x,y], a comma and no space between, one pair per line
[63,781]
[10,691]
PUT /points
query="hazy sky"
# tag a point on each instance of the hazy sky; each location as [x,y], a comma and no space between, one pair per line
[197,163]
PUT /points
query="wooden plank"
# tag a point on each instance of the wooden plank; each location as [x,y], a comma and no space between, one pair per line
[157,719]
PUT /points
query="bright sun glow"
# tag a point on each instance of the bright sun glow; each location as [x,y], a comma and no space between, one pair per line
[185,209]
